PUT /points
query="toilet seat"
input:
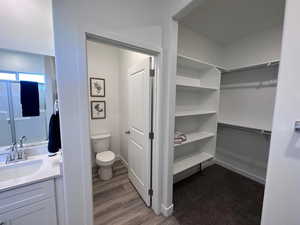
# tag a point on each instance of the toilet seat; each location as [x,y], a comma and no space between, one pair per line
[105,158]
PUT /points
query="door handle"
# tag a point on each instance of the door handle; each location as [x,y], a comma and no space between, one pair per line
[126,132]
[2,223]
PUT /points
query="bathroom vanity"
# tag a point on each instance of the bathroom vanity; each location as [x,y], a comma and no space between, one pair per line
[28,191]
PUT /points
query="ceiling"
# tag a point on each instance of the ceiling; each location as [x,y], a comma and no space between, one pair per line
[226,21]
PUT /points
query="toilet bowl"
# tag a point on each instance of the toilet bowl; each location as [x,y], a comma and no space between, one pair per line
[104,158]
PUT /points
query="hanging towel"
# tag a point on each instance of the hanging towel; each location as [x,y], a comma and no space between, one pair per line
[30,98]
[54,143]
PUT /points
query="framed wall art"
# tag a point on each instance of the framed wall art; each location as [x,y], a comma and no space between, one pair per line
[98,110]
[97,87]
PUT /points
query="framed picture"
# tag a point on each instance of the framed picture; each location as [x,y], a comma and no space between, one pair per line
[97,87]
[98,110]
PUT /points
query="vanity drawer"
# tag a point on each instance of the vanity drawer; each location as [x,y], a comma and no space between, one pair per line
[26,195]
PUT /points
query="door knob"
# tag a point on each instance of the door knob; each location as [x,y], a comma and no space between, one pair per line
[126,132]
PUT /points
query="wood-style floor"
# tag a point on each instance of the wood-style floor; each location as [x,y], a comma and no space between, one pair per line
[116,202]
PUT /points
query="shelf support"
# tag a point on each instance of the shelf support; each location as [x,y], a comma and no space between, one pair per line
[200,169]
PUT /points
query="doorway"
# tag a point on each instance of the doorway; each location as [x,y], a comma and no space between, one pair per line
[124,109]
[227,71]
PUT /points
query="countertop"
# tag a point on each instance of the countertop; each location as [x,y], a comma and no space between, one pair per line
[50,167]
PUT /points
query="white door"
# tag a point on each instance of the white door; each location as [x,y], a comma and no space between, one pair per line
[139,150]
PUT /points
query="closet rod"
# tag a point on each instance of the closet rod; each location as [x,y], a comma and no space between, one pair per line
[248,129]
[258,66]
[270,83]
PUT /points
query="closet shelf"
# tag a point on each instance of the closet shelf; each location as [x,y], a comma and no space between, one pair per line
[193,113]
[193,63]
[245,128]
[251,67]
[195,136]
[188,161]
[192,83]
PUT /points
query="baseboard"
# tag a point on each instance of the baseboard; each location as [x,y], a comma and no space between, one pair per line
[119,157]
[167,211]
[240,171]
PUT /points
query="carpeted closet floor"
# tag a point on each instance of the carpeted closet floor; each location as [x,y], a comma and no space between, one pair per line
[218,197]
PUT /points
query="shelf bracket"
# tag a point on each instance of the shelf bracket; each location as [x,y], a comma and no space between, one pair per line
[201,169]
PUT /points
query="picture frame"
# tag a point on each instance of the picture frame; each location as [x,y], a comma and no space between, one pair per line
[97,87]
[98,110]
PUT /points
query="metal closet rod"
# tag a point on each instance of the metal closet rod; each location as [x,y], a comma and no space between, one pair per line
[248,129]
[268,64]
[270,83]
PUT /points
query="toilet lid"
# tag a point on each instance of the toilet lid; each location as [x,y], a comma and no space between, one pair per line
[105,156]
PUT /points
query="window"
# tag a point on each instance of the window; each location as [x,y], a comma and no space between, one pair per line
[12,124]
[8,76]
[32,77]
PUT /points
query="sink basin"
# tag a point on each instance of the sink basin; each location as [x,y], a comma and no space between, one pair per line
[35,168]
[19,170]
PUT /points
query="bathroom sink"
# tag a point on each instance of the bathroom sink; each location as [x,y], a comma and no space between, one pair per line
[19,170]
[35,168]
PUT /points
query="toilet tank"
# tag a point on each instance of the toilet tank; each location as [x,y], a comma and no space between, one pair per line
[101,142]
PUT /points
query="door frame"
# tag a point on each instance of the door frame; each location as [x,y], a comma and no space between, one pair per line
[156,53]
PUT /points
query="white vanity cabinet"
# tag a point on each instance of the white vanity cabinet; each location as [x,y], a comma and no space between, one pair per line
[34,214]
[29,205]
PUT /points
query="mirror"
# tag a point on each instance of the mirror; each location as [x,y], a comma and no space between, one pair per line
[17,68]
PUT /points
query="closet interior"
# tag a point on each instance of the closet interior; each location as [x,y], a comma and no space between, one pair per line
[227,66]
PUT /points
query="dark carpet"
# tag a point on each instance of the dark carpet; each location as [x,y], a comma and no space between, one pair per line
[218,197]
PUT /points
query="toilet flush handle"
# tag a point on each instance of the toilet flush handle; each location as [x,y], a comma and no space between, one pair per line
[127,132]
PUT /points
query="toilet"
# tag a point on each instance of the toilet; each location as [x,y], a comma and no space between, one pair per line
[104,158]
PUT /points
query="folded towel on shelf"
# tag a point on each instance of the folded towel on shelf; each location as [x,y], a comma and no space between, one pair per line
[179,137]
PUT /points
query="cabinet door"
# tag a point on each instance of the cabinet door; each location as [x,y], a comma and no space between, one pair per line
[43,212]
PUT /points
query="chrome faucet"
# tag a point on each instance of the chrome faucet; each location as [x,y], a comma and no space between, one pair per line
[22,139]
[15,153]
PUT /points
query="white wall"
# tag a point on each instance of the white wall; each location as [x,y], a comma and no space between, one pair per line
[199,47]
[27,26]
[247,98]
[282,200]
[245,102]
[21,62]
[104,62]
[127,60]
[255,49]
[143,23]
[243,151]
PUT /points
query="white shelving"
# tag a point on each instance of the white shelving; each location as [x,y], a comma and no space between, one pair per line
[182,113]
[195,136]
[196,112]
[191,62]
[245,125]
[188,161]
[182,81]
